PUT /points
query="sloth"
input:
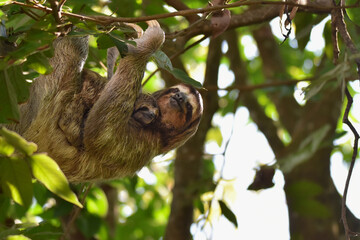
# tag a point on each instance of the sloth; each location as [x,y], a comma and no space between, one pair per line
[98,129]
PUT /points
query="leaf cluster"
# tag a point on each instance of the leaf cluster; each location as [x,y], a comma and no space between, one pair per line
[19,164]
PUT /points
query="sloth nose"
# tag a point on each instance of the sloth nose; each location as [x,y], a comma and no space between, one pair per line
[181,97]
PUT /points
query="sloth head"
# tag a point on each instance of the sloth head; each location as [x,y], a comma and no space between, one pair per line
[180,110]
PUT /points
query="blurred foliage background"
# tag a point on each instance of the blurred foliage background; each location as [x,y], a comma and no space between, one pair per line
[293,90]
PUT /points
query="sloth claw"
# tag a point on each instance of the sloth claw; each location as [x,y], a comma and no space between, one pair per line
[139,31]
[153,23]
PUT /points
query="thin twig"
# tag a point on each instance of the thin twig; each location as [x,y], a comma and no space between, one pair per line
[340,25]
[76,210]
[346,120]
[334,36]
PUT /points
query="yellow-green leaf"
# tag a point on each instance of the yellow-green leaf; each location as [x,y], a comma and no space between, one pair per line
[17,237]
[18,142]
[5,148]
[5,2]
[46,170]
[96,202]
[16,180]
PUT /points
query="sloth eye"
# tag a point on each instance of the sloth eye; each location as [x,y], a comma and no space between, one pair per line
[188,112]
[188,107]
[143,109]
[175,90]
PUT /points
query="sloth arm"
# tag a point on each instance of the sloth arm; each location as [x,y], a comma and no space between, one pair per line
[109,118]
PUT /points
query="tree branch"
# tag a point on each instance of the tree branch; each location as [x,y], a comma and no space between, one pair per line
[179,6]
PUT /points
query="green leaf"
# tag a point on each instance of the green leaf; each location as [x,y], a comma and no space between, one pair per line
[19,83]
[96,202]
[39,63]
[13,90]
[17,237]
[340,71]
[18,22]
[199,205]
[9,232]
[304,24]
[18,142]
[306,150]
[162,60]
[120,43]
[16,180]
[6,149]
[9,110]
[181,75]
[327,34]
[104,41]
[225,210]
[353,13]
[46,170]
[44,230]
[88,224]
[30,47]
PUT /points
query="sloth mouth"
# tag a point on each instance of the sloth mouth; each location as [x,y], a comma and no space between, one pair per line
[177,103]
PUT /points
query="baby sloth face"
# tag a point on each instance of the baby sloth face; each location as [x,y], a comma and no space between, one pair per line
[179,106]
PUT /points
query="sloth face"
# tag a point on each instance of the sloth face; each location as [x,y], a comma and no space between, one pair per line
[179,106]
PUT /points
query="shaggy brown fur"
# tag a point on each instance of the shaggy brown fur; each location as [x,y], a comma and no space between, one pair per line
[97,129]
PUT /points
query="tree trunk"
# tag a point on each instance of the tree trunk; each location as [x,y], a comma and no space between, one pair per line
[189,157]
[314,204]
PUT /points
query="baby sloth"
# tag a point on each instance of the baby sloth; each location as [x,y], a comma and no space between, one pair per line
[98,129]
